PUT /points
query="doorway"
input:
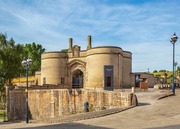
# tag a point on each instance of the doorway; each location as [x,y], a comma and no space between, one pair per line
[108,77]
[77,79]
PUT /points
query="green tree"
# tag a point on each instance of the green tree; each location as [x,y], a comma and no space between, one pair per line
[3,41]
[178,70]
[10,61]
[162,70]
[11,56]
[33,51]
[2,91]
[155,71]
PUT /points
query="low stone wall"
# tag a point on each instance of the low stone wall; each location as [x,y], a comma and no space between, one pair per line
[52,103]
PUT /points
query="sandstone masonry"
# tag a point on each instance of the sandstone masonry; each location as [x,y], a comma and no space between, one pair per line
[54,103]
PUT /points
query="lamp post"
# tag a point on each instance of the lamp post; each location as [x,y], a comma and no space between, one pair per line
[173,41]
[26,64]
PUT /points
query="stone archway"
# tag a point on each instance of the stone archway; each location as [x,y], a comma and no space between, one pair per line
[76,71]
[77,79]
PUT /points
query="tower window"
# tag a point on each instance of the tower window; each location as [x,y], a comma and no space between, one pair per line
[62,80]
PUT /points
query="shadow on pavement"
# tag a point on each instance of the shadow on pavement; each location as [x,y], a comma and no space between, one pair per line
[62,126]
[68,126]
[143,104]
[167,127]
[9,122]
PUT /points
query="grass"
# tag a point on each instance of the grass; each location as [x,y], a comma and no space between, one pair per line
[2,114]
[169,75]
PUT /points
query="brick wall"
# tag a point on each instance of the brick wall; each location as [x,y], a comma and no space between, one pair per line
[51,103]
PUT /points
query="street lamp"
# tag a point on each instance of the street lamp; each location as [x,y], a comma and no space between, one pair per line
[26,64]
[173,41]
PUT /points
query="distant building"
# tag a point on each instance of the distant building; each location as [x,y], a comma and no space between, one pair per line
[140,79]
[21,81]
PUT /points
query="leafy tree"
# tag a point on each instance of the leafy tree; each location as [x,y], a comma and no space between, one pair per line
[3,41]
[34,51]
[9,63]
[10,60]
[11,56]
[2,91]
[178,70]
[155,71]
[162,70]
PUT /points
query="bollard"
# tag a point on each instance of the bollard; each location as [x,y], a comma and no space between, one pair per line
[134,100]
[86,106]
[133,89]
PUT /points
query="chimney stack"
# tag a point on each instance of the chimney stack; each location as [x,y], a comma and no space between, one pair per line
[89,42]
[70,44]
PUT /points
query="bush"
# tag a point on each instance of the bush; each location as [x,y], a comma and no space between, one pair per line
[162,70]
[155,71]
[2,106]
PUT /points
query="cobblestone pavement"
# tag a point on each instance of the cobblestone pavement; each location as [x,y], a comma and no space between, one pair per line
[151,113]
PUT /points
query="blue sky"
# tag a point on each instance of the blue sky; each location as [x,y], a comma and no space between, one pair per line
[143,27]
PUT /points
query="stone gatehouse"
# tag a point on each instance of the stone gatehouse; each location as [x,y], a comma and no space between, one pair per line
[69,79]
[105,67]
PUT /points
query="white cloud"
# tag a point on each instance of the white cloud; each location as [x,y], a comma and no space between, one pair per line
[142,28]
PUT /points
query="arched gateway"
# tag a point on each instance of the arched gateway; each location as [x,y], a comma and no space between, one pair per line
[76,74]
[77,79]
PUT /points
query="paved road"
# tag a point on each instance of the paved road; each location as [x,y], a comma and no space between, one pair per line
[151,113]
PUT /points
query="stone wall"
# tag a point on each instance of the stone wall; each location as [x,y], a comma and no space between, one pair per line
[52,103]
[16,105]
